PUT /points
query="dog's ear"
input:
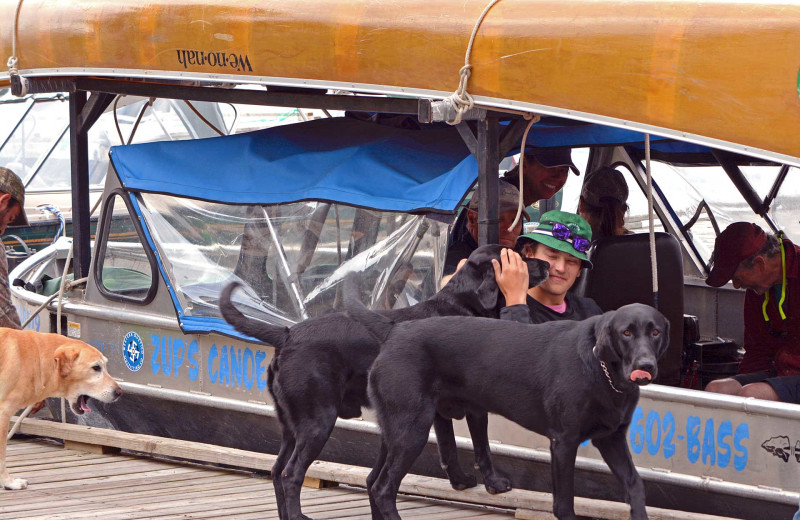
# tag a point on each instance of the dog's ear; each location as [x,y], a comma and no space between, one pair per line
[65,357]
[488,292]
[664,338]
[604,337]
[538,271]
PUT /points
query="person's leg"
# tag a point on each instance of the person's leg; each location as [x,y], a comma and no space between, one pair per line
[728,386]
[733,385]
[760,391]
[785,389]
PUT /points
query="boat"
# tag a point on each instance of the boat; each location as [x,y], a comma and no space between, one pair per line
[699,97]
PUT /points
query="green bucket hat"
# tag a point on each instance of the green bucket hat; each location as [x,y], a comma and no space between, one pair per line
[11,184]
[562,231]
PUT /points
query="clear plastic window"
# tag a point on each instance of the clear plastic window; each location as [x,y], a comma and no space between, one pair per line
[785,208]
[687,188]
[35,136]
[127,269]
[292,257]
[165,120]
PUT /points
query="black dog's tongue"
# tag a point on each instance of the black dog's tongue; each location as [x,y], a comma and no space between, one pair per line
[641,377]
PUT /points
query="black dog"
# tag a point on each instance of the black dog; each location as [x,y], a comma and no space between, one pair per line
[320,369]
[567,380]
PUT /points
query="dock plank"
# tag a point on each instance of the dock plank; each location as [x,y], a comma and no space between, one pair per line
[69,485]
[129,475]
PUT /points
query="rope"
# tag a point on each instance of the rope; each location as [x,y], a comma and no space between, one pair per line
[116,120]
[139,119]
[203,119]
[13,61]
[17,424]
[653,261]
[461,99]
[60,295]
[521,205]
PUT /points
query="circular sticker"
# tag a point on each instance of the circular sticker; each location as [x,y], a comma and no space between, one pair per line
[133,351]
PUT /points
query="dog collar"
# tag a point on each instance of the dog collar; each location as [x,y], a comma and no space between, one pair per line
[605,371]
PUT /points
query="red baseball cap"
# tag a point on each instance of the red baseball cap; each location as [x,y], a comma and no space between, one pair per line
[738,242]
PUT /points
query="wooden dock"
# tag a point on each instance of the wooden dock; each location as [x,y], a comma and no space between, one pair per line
[65,484]
[162,478]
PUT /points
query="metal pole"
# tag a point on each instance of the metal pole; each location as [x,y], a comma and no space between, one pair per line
[79,157]
[488,178]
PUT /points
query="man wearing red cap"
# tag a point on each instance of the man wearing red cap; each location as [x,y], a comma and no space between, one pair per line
[768,267]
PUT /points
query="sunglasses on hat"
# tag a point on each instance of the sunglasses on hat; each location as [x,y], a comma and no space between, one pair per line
[563,232]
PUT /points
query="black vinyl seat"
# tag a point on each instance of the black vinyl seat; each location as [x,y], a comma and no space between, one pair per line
[622,275]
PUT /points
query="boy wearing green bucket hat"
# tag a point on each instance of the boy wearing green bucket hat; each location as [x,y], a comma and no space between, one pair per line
[562,239]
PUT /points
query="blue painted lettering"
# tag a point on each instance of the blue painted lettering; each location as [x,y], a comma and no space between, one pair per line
[740,459]
[166,358]
[155,366]
[248,368]
[236,366]
[194,366]
[224,369]
[724,449]
[693,438]
[709,451]
[177,355]
[636,431]
[212,355]
[669,432]
[260,369]
[653,422]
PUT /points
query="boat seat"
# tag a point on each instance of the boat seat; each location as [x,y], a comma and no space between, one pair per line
[621,275]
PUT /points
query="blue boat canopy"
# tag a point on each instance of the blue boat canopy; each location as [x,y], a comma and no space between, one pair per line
[339,159]
[346,160]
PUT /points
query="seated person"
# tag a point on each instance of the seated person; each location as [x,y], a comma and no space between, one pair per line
[603,202]
[768,267]
[465,240]
[546,172]
[562,240]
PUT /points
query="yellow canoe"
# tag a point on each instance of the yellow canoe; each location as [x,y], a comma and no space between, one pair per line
[723,72]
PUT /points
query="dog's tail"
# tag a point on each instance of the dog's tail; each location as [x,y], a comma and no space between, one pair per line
[270,334]
[378,325]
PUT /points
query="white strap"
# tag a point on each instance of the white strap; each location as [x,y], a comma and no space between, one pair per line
[650,213]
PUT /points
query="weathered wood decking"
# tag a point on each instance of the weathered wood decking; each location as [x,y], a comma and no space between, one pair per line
[65,484]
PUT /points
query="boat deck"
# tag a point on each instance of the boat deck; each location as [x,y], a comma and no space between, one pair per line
[66,484]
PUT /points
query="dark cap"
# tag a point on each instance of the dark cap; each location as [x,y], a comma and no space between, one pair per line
[11,184]
[552,157]
[507,199]
[603,183]
[738,242]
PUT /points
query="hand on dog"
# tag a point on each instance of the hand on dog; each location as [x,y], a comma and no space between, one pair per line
[511,274]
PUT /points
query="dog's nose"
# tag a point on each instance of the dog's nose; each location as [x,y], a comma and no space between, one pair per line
[647,366]
[117,393]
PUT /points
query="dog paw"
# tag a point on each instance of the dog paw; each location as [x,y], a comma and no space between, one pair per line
[497,484]
[463,481]
[15,483]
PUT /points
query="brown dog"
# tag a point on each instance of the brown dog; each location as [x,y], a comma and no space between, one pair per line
[34,366]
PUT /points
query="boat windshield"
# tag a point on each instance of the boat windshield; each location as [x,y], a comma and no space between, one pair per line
[695,194]
[291,257]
